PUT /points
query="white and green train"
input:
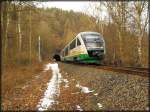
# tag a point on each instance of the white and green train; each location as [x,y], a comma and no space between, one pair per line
[86,47]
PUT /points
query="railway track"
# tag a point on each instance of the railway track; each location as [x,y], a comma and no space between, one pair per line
[128,70]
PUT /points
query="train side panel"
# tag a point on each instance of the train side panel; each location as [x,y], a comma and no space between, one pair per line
[81,54]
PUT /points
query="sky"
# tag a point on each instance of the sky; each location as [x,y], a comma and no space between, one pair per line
[76,6]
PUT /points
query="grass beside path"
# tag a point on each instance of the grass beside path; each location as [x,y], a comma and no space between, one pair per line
[23,86]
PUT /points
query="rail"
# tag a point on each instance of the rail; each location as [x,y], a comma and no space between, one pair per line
[128,70]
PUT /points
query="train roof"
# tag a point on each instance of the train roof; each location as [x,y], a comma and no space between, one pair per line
[89,32]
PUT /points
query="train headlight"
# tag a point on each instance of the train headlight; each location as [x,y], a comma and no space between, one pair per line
[102,47]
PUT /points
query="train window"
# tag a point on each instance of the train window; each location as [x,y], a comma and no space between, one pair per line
[62,53]
[78,42]
[73,44]
[92,40]
[71,47]
[66,51]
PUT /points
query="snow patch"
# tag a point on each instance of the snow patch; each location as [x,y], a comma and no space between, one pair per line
[147,108]
[25,86]
[66,73]
[96,94]
[66,83]
[65,80]
[79,108]
[75,93]
[52,89]
[47,67]
[84,89]
[99,105]
[38,76]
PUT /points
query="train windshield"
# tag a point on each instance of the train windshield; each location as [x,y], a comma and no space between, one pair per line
[92,40]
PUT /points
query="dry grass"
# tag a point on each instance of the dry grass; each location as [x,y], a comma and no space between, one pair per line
[23,86]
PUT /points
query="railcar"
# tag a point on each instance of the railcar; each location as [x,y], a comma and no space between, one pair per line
[86,47]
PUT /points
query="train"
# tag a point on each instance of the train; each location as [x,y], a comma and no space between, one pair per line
[86,47]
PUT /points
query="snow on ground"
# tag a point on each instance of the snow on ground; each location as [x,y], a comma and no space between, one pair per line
[96,94]
[52,89]
[99,105]
[47,67]
[75,93]
[66,73]
[38,76]
[79,108]
[66,83]
[25,86]
[84,89]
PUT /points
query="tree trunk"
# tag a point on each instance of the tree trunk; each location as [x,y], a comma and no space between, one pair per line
[40,49]
[139,9]
[2,26]
[6,34]
[2,17]
[120,46]
[139,50]
[19,32]
[30,38]
[101,27]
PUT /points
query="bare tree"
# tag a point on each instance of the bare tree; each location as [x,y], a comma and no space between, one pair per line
[117,13]
[139,16]
[140,24]
[30,37]
[5,24]
[96,10]
[19,28]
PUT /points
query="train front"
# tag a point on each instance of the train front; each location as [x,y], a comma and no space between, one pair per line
[95,46]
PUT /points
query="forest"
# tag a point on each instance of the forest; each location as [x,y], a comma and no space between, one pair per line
[125,31]
[32,35]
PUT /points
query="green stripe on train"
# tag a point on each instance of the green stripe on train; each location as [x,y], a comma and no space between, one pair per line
[81,57]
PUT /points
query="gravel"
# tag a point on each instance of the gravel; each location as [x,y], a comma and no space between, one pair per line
[115,91]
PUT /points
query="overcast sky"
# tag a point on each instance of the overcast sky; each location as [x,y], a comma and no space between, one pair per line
[77,6]
[65,5]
